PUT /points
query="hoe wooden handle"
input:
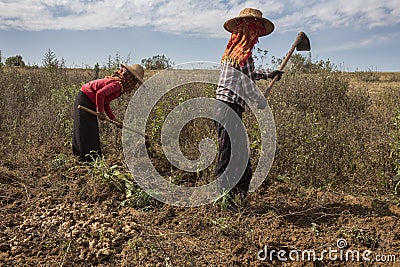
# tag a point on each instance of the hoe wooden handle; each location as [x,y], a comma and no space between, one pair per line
[111,121]
[281,67]
[299,38]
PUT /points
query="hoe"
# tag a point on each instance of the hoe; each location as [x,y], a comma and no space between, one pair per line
[302,43]
[111,121]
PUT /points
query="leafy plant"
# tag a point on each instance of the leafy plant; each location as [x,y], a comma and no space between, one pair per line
[59,161]
[122,182]
[138,198]
[260,57]
[110,174]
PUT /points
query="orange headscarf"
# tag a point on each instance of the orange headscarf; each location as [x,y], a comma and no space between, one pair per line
[242,42]
[125,78]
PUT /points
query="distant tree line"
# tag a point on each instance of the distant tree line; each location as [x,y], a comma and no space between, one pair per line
[297,63]
[51,62]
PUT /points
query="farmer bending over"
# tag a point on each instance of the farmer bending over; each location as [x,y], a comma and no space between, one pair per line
[97,95]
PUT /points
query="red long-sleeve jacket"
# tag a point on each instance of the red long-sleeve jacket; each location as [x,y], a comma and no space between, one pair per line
[101,92]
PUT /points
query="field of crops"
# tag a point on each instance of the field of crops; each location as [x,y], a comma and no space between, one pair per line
[335,176]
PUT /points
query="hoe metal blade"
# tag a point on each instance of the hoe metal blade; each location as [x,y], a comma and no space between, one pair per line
[303,42]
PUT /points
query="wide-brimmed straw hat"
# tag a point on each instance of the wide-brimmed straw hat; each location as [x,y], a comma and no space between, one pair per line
[249,13]
[136,70]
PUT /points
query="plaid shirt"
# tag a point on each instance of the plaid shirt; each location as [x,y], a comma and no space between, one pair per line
[233,85]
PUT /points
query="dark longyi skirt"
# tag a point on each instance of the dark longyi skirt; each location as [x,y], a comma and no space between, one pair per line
[85,138]
[225,142]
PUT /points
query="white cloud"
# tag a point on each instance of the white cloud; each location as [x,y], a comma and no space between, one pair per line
[318,15]
[371,41]
[193,16]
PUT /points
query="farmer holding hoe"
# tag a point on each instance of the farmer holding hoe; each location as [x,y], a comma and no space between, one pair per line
[97,95]
[236,82]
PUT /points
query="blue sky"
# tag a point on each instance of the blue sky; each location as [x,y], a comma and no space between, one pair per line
[353,34]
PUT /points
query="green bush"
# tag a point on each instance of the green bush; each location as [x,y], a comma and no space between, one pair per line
[327,133]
